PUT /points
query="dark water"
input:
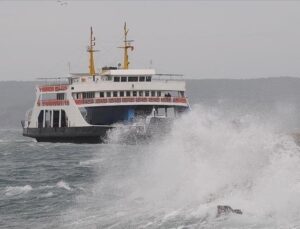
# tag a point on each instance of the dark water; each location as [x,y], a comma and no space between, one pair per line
[209,158]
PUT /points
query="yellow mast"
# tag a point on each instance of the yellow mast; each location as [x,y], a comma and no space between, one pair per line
[126,46]
[91,50]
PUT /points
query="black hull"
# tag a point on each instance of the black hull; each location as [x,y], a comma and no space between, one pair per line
[92,134]
[98,134]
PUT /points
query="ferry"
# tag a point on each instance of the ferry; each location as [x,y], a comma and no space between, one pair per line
[84,107]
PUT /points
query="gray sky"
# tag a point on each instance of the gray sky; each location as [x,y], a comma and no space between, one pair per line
[201,39]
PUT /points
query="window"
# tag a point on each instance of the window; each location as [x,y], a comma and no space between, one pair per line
[148,78]
[88,95]
[60,96]
[142,78]
[159,93]
[108,94]
[101,94]
[141,93]
[123,79]
[146,93]
[152,93]
[115,94]
[134,93]
[116,79]
[127,93]
[121,93]
[132,79]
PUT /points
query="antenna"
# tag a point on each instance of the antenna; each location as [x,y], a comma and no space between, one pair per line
[91,50]
[127,45]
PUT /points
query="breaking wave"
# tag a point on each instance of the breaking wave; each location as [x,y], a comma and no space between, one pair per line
[17,190]
[208,159]
[64,185]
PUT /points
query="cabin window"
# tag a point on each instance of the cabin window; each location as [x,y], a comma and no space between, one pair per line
[159,93]
[146,93]
[121,93]
[123,79]
[134,93]
[48,96]
[101,94]
[142,78]
[115,94]
[60,96]
[116,79]
[132,79]
[141,93]
[108,94]
[148,78]
[127,93]
[88,95]
[152,93]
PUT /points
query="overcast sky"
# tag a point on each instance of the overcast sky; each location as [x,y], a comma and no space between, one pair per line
[201,39]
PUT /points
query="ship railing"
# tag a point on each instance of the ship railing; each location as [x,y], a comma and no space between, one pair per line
[175,100]
[52,102]
[53,88]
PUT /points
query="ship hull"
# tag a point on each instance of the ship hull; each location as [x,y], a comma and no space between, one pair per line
[91,134]
[98,134]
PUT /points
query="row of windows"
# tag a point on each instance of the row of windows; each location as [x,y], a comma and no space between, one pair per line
[132,78]
[102,94]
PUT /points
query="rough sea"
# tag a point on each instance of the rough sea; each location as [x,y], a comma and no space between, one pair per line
[225,151]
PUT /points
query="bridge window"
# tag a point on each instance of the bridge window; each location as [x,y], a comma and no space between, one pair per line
[101,94]
[159,93]
[115,94]
[141,93]
[108,94]
[121,93]
[148,78]
[142,78]
[123,79]
[152,93]
[146,93]
[134,93]
[116,79]
[128,93]
[132,79]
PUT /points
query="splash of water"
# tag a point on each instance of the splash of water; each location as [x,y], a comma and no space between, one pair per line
[206,160]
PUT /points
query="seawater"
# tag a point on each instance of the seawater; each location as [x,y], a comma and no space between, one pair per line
[209,158]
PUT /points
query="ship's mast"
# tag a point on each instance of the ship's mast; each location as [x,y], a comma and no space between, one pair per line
[91,50]
[127,45]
